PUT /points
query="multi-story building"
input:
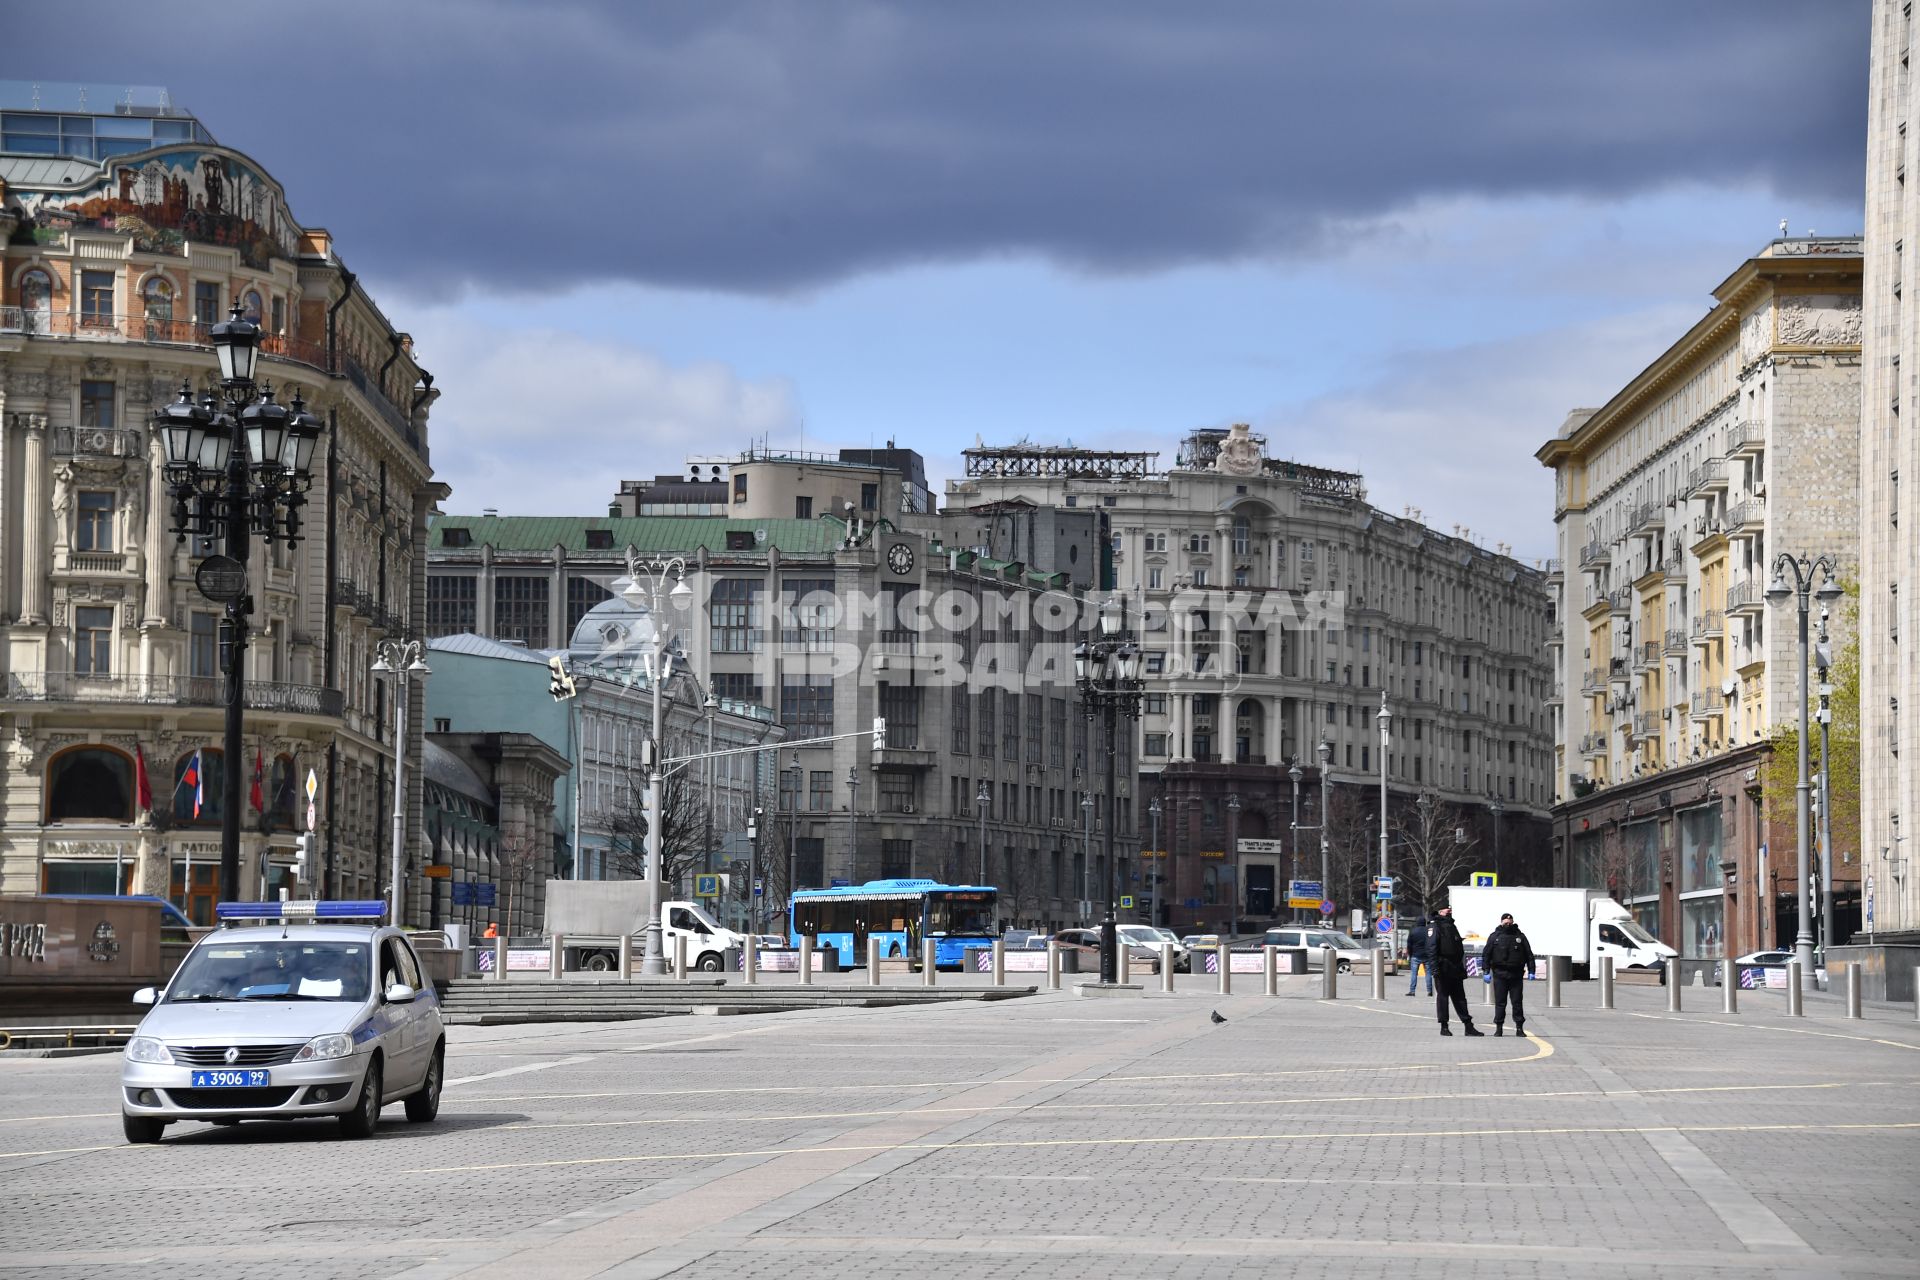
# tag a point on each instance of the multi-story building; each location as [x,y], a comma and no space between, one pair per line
[119,252]
[832,624]
[1279,606]
[1671,501]
[1889,553]
[784,484]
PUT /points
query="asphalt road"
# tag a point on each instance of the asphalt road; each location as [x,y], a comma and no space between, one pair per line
[1048,1136]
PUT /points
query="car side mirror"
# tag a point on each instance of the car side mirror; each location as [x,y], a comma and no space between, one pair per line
[146,995]
[400,993]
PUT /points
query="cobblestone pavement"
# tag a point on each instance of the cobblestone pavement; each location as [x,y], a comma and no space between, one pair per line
[1048,1136]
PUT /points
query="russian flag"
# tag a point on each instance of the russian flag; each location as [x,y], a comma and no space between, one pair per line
[193,778]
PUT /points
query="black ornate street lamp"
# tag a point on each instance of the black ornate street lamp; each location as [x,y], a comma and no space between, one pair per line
[1780,591]
[1107,671]
[238,463]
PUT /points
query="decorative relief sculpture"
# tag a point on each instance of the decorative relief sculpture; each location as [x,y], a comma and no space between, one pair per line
[1820,320]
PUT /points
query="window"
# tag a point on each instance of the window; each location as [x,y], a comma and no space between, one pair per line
[203,645]
[202,784]
[90,783]
[897,795]
[36,300]
[986,737]
[456,537]
[808,611]
[520,604]
[803,508]
[279,315]
[740,488]
[1010,727]
[870,497]
[896,856]
[282,785]
[1242,535]
[1057,733]
[93,642]
[1156,542]
[206,302]
[599,539]
[1156,663]
[583,593]
[93,522]
[96,298]
[1199,543]
[1156,744]
[820,790]
[251,307]
[1154,579]
[96,404]
[1036,727]
[450,603]
[734,615]
[789,789]
[737,686]
[806,706]
[1199,577]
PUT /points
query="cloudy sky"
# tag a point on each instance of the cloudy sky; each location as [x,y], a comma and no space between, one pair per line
[1398,236]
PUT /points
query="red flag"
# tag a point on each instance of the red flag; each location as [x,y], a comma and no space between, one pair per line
[259,805]
[142,789]
[192,778]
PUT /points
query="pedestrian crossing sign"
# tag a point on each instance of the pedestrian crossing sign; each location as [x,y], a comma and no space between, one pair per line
[1126,902]
[707,886]
[1483,880]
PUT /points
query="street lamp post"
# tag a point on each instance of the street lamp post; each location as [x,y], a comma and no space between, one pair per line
[238,464]
[647,588]
[793,831]
[1107,671]
[1495,809]
[1325,751]
[402,660]
[982,802]
[1823,659]
[710,704]
[1086,852]
[1385,717]
[1153,882]
[853,823]
[1803,570]
[1233,862]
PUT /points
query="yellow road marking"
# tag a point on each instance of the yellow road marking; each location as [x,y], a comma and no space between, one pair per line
[78,1115]
[1016,1144]
[1762,1026]
[1185,1105]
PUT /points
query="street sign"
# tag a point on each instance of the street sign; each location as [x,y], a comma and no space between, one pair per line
[1126,902]
[1193,904]
[472,893]
[463,893]
[437,870]
[485,893]
[313,785]
[1253,845]
[1384,925]
[1483,880]
[1383,888]
[706,886]
[221,578]
[1304,893]
[759,887]
[313,816]
[1326,906]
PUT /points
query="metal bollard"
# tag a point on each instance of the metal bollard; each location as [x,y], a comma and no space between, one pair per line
[1126,963]
[928,969]
[1270,964]
[1053,966]
[1794,992]
[873,962]
[1916,993]
[1554,970]
[1329,974]
[1606,982]
[1853,988]
[1730,990]
[1486,988]
[999,963]
[557,956]
[1166,967]
[1379,958]
[750,961]
[680,957]
[1673,986]
[500,958]
[1224,960]
[626,956]
[806,959]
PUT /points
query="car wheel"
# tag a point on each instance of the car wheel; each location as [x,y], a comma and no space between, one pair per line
[710,962]
[142,1130]
[1346,967]
[425,1105]
[365,1117]
[598,962]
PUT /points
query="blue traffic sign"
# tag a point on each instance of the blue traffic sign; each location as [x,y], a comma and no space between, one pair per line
[1326,907]
[1384,925]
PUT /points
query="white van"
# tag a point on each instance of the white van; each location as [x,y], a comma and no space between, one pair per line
[1581,924]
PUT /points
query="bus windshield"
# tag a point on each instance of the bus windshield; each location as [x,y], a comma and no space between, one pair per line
[960,913]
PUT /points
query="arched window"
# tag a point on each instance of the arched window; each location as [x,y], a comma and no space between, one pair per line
[251,306]
[207,782]
[281,795]
[90,784]
[36,300]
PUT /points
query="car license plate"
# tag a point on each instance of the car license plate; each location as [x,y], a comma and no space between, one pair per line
[231,1079]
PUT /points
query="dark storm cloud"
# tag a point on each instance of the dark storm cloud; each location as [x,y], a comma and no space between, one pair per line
[768,147]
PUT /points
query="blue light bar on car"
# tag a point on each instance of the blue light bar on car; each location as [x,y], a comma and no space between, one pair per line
[374,909]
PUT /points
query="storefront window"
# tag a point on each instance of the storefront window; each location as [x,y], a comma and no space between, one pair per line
[1702,928]
[1700,849]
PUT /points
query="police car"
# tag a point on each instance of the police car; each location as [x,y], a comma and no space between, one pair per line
[288,1010]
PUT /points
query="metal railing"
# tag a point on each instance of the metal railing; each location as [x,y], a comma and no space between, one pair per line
[1593,553]
[1743,436]
[1751,512]
[1711,623]
[1593,744]
[175,691]
[1708,702]
[1647,654]
[104,442]
[1676,642]
[1646,724]
[1708,476]
[1745,595]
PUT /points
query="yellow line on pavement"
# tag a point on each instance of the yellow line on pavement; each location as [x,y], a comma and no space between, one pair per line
[78,1115]
[1488,1096]
[1763,1026]
[1012,1144]
[67,1151]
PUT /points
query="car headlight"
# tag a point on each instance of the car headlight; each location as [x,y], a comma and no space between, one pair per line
[147,1049]
[321,1048]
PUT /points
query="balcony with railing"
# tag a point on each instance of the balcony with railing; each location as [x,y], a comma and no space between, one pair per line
[1707,704]
[1646,654]
[1649,517]
[1647,724]
[109,328]
[170,691]
[1555,569]
[1621,599]
[1593,554]
[1710,625]
[1676,642]
[96,442]
[1593,744]
[1746,597]
[1747,519]
[1594,682]
[1707,478]
[1746,439]
[1676,566]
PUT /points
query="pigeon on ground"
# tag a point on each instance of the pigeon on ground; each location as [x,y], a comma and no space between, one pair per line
[1217,1019]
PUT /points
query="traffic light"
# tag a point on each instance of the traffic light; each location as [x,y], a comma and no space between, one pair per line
[560,684]
[879,733]
[303,856]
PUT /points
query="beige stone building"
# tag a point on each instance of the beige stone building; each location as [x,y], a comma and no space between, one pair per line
[1671,501]
[1889,553]
[113,270]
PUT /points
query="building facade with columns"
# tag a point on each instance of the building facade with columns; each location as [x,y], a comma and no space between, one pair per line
[114,269]
[1673,670]
[1278,607]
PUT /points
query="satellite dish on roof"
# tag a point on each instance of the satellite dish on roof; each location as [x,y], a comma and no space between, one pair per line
[1727,686]
[760,537]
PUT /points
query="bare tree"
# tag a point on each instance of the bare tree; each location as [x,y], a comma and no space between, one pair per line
[1020,888]
[1432,849]
[1353,842]
[519,855]
[682,828]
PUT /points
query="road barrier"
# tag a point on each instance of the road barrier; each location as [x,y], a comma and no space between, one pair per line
[806,959]
[1126,962]
[626,957]
[1674,987]
[1729,990]
[1853,988]
[1270,969]
[557,956]
[999,963]
[500,958]
[1795,991]
[750,962]
[1556,969]
[1223,961]
[1329,974]
[1379,958]
[1166,967]
[929,950]
[873,962]
[1053,966]
[1606,982]
[680,957]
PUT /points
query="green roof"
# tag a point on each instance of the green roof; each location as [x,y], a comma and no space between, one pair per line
[647,533]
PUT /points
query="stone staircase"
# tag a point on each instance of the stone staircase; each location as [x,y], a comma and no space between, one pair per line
[483,1002]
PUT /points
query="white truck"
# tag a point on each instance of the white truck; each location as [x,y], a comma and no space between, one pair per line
[592,916]
[1581,924]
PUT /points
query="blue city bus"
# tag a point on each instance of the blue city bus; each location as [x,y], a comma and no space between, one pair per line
[899,913]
